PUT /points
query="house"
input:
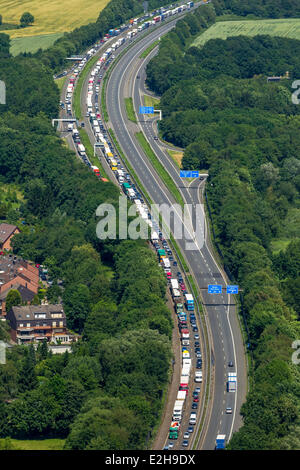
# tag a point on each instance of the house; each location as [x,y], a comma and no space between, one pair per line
[7,232]
[18,274]
[34,323]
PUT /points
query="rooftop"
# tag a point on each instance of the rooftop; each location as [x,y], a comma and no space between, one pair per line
[11,267]
[6,230]
[29,312]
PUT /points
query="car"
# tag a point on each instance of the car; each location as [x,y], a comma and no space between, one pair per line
[174,263]
[195,393]
[197,344]
[230,364]
[82,124]
[186,435]
[198,354]
[185,443]
[196,337]
[155,137]
[166,448]
[197,390]
[199,366]
[171,258]
[228,410]
[171,445]
[137,76]
[196,399]
[194,406]
[195,329]
[191,429]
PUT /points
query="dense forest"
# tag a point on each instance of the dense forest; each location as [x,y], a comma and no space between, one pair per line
[114,379]
[218,105]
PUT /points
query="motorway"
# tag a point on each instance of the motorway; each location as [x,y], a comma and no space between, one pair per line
[227,344]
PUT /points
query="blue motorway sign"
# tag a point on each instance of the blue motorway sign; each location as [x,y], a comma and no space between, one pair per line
[146,110]
[232,289]
[189,174]
[215,289]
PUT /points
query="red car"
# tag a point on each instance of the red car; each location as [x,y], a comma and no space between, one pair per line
[196,399]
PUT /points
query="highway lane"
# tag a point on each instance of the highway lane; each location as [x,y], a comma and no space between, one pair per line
[201,261]
[192,195]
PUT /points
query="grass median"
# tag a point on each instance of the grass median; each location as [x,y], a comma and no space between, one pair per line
[149,49]
[164,175]
[130,110]
[79,84]
[90,152]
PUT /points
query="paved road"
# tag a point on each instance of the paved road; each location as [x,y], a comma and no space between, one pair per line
[227,341]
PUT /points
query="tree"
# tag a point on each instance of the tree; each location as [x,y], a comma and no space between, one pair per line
[26,19]
[13,299]
[27,378]
[0,20]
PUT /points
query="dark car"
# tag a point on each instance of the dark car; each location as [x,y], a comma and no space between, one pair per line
[230,364]
[185,443]
[194,406]
[195,393]
[175,263]
[190,429]
[195,329]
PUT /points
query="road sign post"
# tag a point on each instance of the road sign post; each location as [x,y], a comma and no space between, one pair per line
[189,174]
[214,289]
[232,290]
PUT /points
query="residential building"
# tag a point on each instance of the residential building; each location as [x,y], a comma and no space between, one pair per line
[15,273]
[7,231]
[34,323]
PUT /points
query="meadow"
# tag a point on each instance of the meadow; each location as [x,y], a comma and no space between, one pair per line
[51,16]
[289,28]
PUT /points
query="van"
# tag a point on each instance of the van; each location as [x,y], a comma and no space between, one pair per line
[198,376]
[193,418]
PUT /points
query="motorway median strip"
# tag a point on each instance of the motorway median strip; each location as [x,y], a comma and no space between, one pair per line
[149,49]
[90,152]
[130,110]
[79,84]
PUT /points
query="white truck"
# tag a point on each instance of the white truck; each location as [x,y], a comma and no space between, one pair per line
[175,293]
[231,382]
[181,395]
[174,284]
[178,410]
[81,149]
[166,263]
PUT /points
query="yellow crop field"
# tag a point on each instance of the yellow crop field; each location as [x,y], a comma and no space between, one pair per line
[51,16]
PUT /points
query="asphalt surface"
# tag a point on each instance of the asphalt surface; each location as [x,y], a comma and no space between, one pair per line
[227,341]
[226,344]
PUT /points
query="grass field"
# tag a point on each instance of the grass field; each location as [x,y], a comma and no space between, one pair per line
[43,444]
[51,16]
[176,156]
[33,43]
[289,28]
